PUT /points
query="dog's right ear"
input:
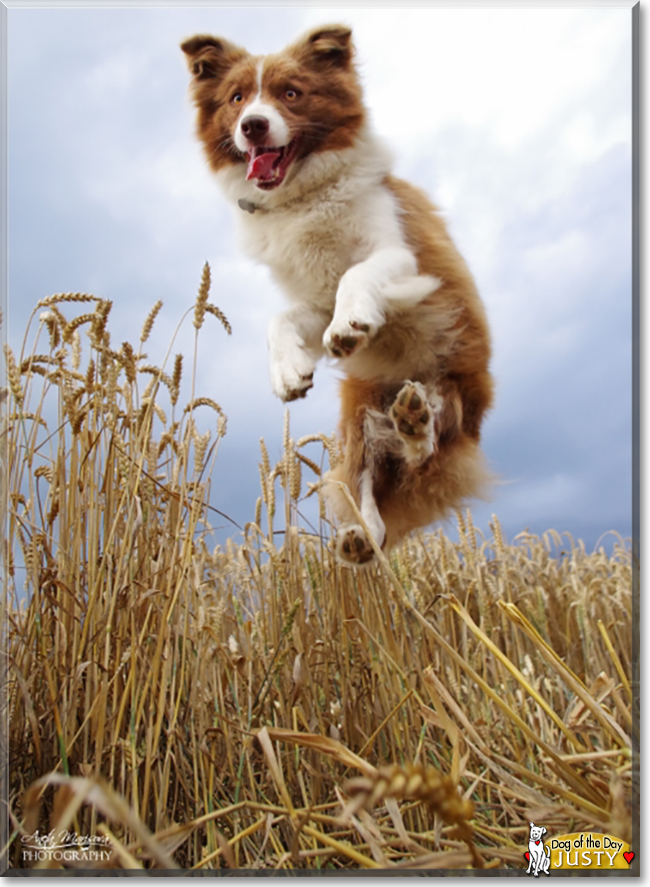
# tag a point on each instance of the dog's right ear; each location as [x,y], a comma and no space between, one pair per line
[210,57]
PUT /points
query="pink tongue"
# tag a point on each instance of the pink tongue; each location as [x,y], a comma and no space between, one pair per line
[261,167]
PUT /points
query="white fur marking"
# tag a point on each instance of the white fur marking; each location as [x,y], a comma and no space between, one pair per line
[362,271]
[260,69]
[369,510]
[369,290]
[384,281]
[279,134]
[294,349]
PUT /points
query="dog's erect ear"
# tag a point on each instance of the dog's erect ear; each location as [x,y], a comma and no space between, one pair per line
[329,45]
[543,830]
[210,57]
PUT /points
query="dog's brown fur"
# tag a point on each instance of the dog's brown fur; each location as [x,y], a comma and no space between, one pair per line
[455,357]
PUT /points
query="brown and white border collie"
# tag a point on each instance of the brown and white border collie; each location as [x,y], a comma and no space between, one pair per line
[370,272]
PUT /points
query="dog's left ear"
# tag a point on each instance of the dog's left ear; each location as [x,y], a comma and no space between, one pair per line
[543,830]
[330,45]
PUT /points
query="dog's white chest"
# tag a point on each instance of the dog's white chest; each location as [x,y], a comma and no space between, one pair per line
[307,250]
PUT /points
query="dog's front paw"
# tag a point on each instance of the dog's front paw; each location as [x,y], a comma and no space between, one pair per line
[292,379]
[342,339]
[352,545]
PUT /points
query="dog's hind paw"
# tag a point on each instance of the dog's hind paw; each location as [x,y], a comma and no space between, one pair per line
[413,416]
[352,545]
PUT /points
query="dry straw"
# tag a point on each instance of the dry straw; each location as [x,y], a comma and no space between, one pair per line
[259,705]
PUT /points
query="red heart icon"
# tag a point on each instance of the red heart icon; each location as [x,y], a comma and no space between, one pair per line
[537,842]
[527,855]
[629,856]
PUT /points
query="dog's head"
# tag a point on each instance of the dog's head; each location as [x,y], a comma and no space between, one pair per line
[536,831]
[264,114]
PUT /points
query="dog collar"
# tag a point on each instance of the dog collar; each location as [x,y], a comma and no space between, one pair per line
[249,206]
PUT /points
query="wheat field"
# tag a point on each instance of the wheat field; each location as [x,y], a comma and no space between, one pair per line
[258,705]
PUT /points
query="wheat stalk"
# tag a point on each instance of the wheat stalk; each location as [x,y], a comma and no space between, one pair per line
[470,684]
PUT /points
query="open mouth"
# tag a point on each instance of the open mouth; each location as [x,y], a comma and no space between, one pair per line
[269,164]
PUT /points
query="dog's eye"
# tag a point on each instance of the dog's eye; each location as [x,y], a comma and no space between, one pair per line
[237,99]
[291,94]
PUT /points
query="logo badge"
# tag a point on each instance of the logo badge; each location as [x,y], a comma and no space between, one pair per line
[538,856]
[580,850]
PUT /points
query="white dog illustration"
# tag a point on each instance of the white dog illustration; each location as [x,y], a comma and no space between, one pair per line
[538,860]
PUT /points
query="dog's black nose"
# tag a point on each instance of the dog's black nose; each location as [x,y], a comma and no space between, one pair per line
[255,128]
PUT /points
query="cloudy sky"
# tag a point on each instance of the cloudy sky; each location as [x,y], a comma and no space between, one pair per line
[517,121]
